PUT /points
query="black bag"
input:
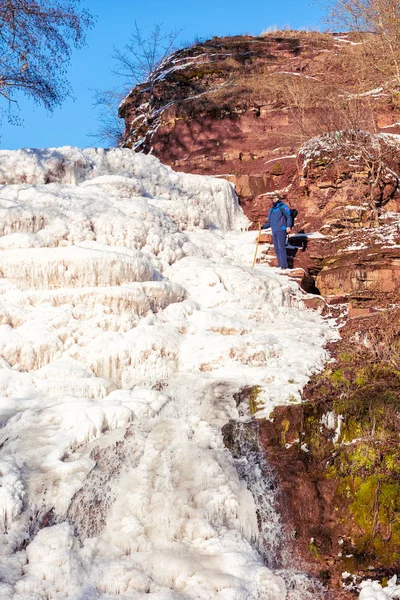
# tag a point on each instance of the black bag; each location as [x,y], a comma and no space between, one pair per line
[294,212]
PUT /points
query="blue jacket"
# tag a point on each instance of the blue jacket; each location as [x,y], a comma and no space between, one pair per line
[279,217]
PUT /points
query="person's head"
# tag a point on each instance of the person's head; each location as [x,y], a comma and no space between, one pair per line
[275,198]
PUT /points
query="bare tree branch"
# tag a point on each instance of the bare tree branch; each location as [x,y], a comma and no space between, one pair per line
[36,41]
[136,63]
[141,56]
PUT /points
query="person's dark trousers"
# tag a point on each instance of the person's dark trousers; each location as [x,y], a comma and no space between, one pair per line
[279,239]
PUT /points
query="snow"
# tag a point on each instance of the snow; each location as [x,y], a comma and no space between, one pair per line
[162,74]
[278,158]
[345,142]
[354,248]
[372,590]
[129,317]
[302,75]
[396,124]
[376,92]
[344,39]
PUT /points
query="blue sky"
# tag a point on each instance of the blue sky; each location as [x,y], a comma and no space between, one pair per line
[91,67]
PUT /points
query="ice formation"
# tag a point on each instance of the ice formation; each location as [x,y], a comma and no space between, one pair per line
[129,317]
[373,590]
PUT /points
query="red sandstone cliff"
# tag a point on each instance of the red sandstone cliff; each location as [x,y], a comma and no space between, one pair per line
[240,107]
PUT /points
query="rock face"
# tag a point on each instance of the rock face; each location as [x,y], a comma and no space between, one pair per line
[240,107]
[259,113]
[355,253]
[337,457]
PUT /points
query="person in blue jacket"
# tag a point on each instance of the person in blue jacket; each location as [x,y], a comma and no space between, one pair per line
[280,221]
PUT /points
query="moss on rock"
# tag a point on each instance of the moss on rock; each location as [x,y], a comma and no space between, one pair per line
[346,439]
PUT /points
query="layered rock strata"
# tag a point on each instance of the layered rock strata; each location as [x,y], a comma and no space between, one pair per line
[240,107]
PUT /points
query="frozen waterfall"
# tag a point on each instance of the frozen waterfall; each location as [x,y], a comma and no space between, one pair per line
[129,319]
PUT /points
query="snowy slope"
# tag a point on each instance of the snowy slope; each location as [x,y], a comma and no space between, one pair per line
[129,316]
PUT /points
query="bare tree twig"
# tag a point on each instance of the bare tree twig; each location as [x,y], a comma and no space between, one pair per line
[36,41]
[136,63]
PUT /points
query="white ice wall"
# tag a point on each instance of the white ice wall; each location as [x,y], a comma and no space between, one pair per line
[192,200]
[125,330]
